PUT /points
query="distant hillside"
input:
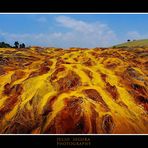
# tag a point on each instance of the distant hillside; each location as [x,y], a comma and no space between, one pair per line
[136,43]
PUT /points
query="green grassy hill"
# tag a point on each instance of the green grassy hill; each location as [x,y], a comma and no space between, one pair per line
[136,43]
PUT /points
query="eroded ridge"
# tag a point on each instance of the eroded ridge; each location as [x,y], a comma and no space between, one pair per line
[74,91]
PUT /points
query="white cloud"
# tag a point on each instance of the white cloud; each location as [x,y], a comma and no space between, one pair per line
[136,35]
[74,24]
[79,34]
[29,39]
[42,19]
[85,33]
[41,39]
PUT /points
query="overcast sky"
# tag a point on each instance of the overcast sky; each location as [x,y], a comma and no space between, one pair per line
[73,30]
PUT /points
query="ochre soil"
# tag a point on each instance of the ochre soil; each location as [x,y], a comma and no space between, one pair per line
[74,91]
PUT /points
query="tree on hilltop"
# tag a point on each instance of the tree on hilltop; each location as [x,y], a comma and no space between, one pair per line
[16,44]
[4,45]
[22,45]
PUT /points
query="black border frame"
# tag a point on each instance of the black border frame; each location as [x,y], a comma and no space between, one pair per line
[65,6]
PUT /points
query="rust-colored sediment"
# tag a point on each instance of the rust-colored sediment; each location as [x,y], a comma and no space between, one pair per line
[74,91]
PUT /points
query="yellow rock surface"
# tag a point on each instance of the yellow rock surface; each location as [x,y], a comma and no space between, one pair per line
[74,91]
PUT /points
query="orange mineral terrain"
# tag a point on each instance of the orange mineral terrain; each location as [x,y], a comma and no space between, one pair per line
[74,91]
